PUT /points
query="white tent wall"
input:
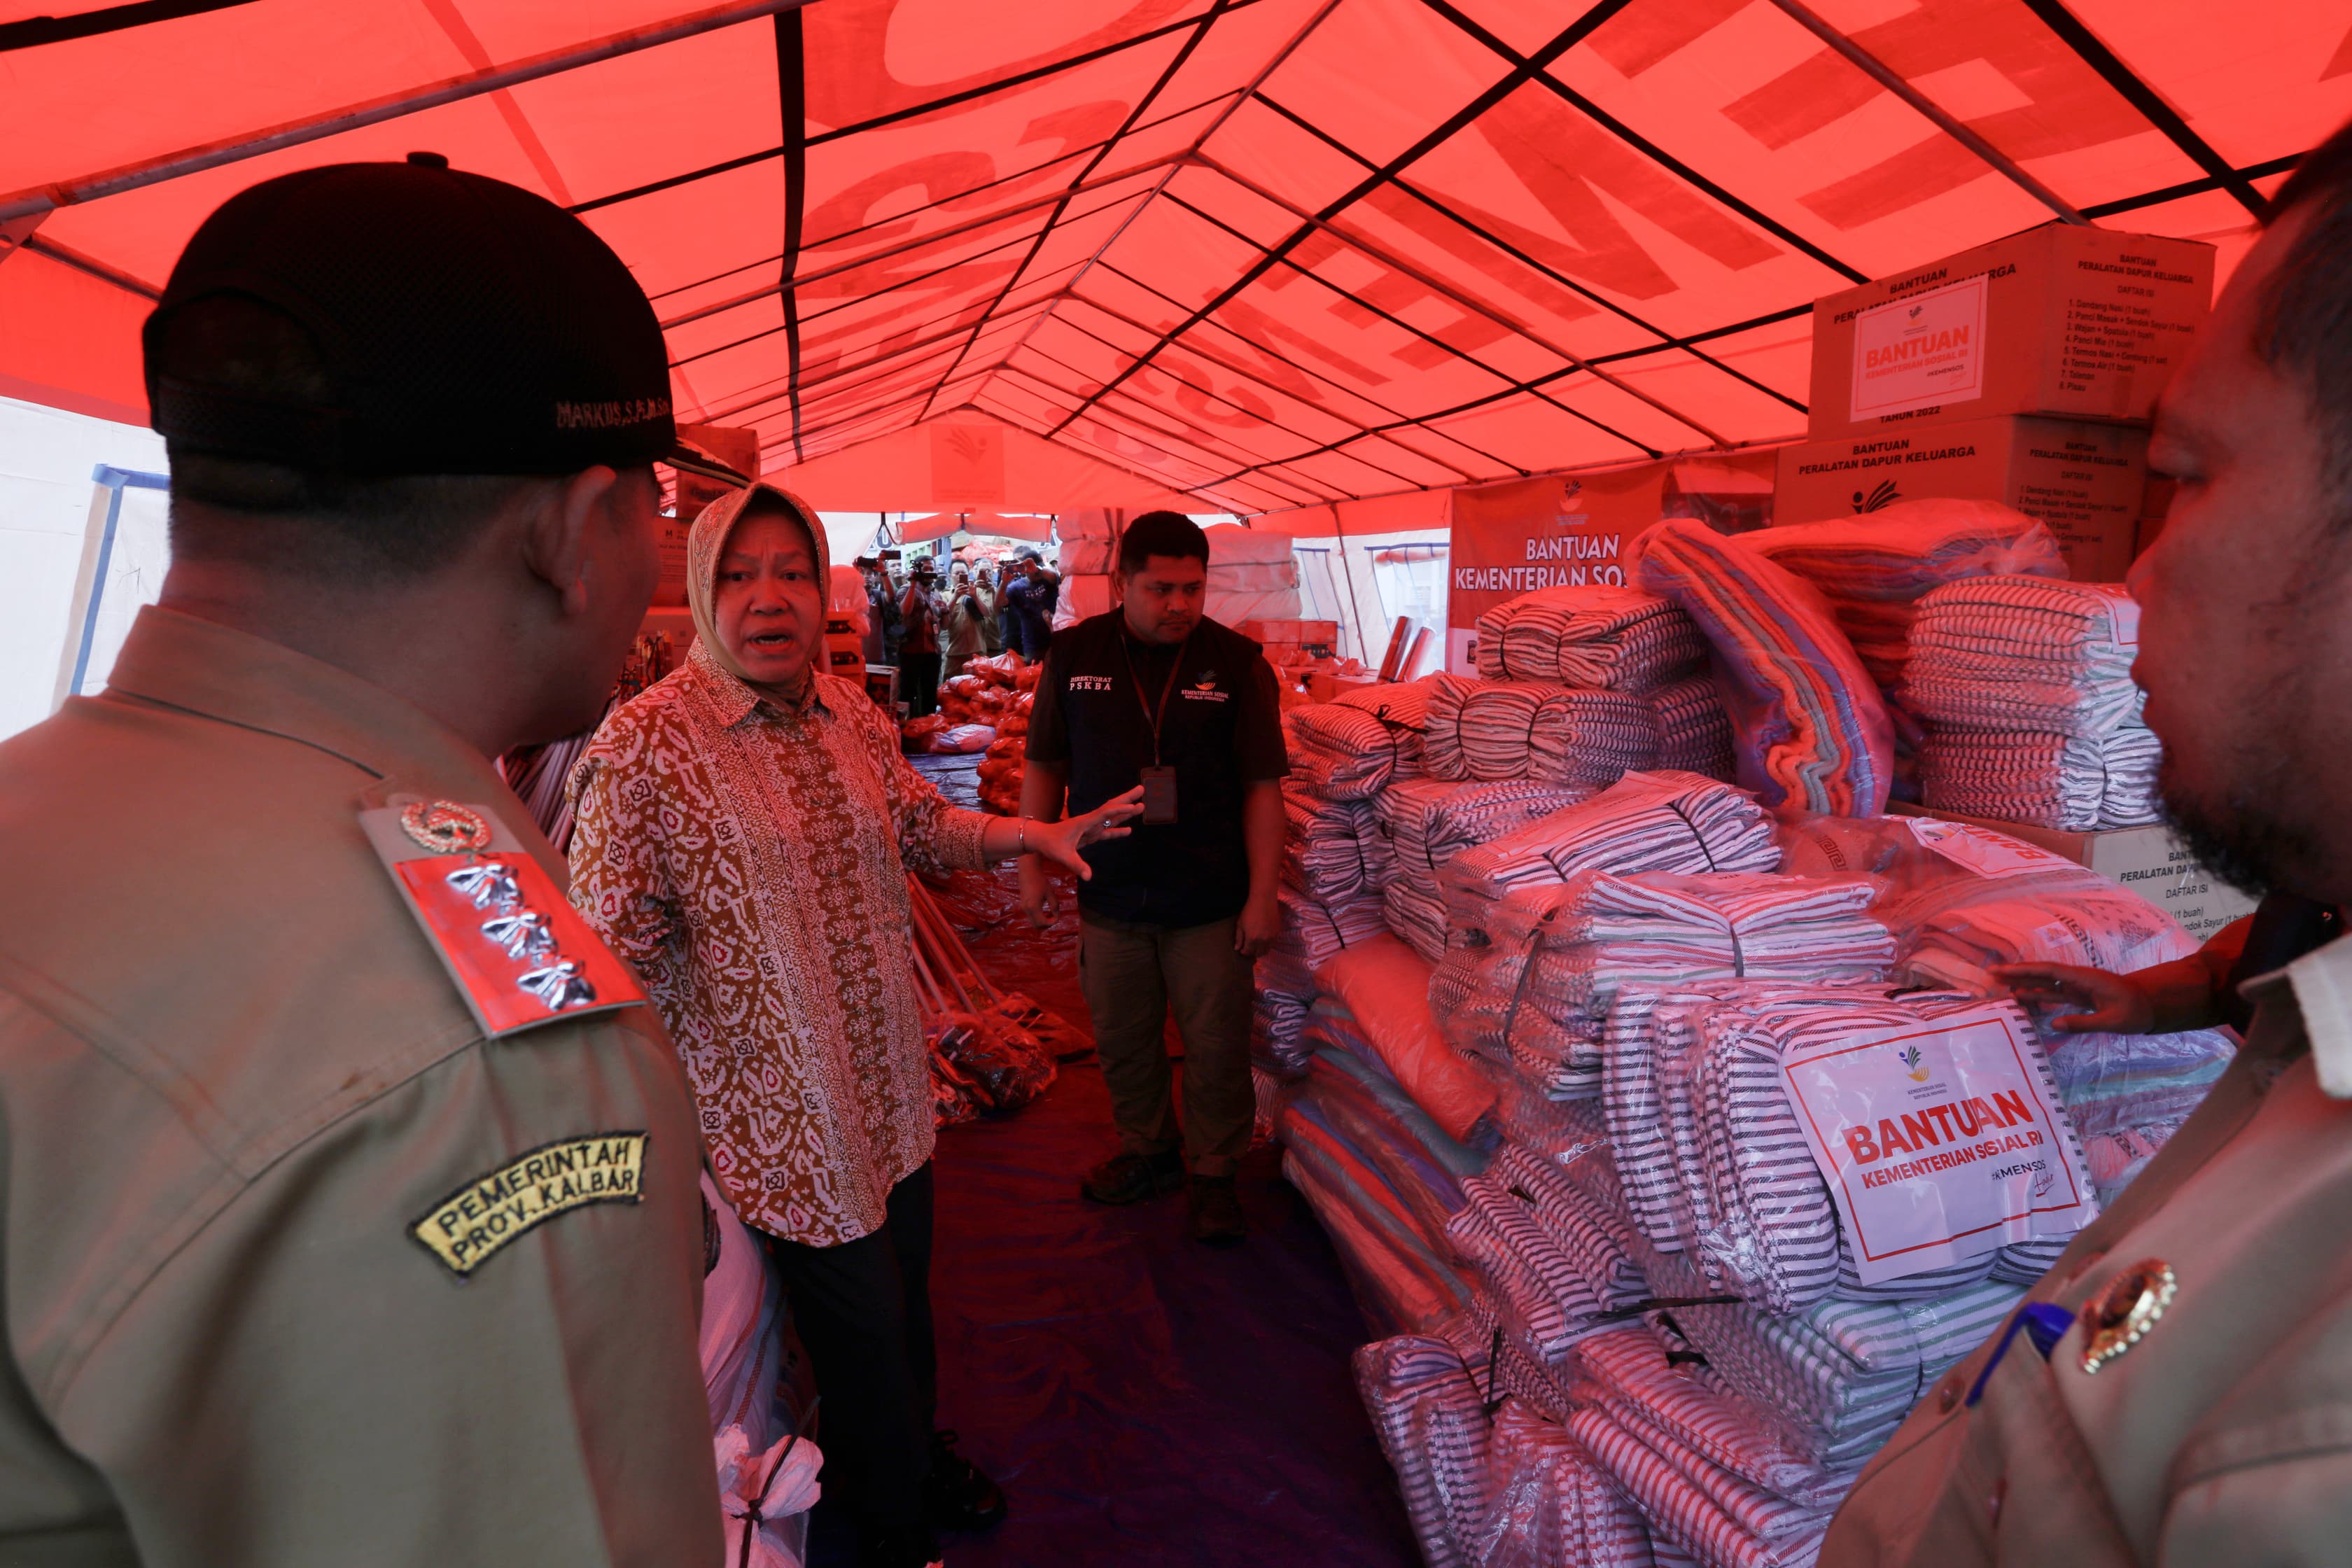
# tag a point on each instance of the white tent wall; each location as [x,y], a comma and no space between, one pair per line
[47,455]
[1366,582]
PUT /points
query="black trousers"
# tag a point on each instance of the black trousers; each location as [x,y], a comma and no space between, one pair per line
[919,683]
[863,1312]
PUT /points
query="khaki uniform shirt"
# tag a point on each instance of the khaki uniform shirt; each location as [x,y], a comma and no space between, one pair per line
[2225,1435]
[232,1074]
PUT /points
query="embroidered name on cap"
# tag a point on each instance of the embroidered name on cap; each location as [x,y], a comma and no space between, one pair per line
[470,1225]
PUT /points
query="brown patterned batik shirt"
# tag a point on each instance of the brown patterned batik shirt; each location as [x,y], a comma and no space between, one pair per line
[748,856]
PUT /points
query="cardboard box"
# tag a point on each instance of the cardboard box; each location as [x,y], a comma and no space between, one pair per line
[2063,319]
[2148,860]
[2084,480]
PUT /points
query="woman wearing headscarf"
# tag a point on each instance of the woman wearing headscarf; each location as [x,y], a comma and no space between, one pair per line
[745,828]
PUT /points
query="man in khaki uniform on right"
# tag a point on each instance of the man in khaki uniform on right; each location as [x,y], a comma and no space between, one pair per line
[2179,1389]
[333,1231]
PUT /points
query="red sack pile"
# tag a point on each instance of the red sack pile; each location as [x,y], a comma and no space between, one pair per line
[1001,770]
[916,733]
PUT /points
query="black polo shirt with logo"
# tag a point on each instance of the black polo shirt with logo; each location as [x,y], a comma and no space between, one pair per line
[1221,731]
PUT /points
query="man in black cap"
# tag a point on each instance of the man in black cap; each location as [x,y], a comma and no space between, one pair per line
[351,1194]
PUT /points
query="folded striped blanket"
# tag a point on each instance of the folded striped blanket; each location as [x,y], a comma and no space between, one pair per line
[1414,909]
[1607,639]
[1693,728]
[1646,822]
[2074,784]
[1754,1443]
[1333,849]
[2025,688]
[1537,993]
[1283,992]
[1812,730]
[1719,1518]
[1352,748]
[1845,1374]
[1427,821]
[1874,569]
[1314,932]
[1525,729]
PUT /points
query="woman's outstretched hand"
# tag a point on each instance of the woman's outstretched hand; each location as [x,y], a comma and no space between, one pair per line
[1061,841]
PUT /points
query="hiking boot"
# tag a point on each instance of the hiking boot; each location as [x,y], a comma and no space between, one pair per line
[960,1495]
[1216,1211]
[1132,1178]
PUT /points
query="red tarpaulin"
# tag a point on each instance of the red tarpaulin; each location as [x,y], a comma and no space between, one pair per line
[1262,253]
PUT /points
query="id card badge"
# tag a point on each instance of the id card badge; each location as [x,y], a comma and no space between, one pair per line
[1158,794]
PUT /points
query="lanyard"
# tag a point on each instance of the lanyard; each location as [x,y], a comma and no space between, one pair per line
[1174,669]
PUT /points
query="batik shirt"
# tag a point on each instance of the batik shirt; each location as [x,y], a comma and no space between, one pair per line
[750,856]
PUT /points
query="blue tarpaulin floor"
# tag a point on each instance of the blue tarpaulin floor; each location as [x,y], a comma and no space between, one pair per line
[1144,1400]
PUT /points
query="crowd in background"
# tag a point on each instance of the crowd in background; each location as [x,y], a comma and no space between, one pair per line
[927,629]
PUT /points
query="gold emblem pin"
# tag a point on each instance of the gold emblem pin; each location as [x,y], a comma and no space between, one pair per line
[2120,1316]
[445,827]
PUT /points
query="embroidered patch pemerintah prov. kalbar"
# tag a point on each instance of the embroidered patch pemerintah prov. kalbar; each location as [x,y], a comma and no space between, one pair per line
[473,1224]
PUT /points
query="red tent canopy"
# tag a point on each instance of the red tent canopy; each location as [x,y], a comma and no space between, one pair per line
[1264,253]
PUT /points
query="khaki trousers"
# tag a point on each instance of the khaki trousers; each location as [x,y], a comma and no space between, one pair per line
[1134,975]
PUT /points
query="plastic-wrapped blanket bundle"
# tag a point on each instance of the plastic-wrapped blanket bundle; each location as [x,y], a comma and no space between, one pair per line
[1527,728]
[2025,687]
[1693,728]
[1843,1374]
[1813,732]
[1353,747]
[1334,848]
[1551,1504]
[2126,1095]
[1558,956]
[1646,822]
[1612,639]
[1874,568]
[1432,1426]
[1712,1159]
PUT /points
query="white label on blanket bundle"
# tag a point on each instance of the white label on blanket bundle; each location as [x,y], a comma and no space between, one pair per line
[1920,350]
[1986,853]
[1938,1143]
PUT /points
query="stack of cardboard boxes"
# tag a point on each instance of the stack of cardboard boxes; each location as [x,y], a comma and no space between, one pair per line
[2024,372]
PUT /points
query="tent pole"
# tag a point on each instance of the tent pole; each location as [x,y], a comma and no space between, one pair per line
[454,90]
[1871,66]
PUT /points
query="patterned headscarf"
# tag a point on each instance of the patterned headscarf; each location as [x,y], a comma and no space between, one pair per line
[709,539]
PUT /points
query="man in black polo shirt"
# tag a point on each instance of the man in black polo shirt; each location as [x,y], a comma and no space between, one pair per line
[1154,693]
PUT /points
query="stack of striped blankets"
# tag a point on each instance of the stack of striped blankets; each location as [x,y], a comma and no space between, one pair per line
[1350,749]
[1694,730]
[1334,848]
[1608,639]
[1533,729]
[1646,822]
[1537,999]
[1336,861]
[1812,729]
[2025,688]
[1874,568]
[1669,1342]
[1425,824]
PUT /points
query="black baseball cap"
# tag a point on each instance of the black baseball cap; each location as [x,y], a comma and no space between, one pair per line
[466,326]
